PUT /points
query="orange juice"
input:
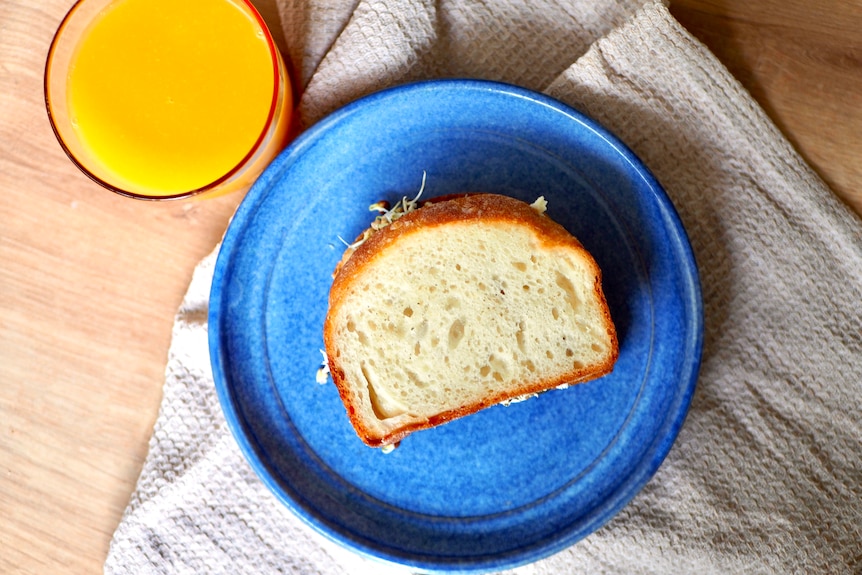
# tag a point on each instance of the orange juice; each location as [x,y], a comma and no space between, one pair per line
[170,96]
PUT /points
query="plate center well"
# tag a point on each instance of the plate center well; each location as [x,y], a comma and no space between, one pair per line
[502,458]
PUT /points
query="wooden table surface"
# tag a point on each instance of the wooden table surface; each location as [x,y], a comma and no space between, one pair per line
[90,282]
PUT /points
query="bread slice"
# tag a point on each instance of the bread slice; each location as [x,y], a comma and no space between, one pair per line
[459,305]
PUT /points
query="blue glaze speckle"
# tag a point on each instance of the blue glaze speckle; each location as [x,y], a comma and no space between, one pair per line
[508,485]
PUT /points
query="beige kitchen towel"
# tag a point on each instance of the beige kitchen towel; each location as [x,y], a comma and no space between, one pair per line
[766,475]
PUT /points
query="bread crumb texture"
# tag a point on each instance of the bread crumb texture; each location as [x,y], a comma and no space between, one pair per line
[451,318]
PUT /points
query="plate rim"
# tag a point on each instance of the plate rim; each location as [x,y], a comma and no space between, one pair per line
[646,467]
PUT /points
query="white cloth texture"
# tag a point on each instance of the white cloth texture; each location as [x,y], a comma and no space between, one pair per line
[766,474]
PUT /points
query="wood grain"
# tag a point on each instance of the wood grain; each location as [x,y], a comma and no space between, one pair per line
[90,282]
[802,62]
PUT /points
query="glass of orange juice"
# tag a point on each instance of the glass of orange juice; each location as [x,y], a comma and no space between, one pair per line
[164,99]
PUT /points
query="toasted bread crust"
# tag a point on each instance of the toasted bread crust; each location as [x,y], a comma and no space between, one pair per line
[486,208]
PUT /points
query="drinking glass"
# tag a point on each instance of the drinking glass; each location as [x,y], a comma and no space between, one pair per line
[159,99]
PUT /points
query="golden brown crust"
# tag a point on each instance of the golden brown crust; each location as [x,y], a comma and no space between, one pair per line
[488,208]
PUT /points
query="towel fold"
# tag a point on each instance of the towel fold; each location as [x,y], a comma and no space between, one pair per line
[766,474]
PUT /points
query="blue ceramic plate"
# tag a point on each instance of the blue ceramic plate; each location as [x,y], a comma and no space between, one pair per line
[508,485]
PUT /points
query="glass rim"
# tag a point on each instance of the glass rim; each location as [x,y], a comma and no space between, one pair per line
[273,107]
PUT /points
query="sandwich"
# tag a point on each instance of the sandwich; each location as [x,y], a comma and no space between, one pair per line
[444,308]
